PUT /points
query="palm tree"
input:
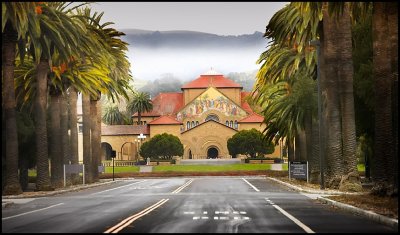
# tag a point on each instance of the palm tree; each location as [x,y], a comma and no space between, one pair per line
[140,103]
[112,116]
[385,70]
[15,21]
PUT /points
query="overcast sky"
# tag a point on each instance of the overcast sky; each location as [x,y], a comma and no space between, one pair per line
[222,18]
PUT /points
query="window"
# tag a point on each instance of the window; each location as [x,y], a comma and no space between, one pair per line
[188,125]
[192,124]
[80,126]
[197,123]
[236,124]
[212,117]
[231,124]
[227,123]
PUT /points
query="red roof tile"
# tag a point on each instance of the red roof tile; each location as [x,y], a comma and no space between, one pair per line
[205,81]
[124,130]
[244,105]
[164,120]
[253,118]
[165,104]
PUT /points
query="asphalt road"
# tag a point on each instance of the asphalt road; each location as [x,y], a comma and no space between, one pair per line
[183,205]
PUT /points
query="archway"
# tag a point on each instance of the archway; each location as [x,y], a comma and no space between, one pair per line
[212,153]
[190,154]
[106,150]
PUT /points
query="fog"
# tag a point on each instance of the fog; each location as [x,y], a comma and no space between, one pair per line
[188,63]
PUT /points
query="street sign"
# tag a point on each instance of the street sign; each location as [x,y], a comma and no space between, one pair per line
[298,170]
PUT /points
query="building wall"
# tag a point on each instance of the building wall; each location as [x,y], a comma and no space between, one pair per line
[205,136]
[190,94]
[232,93]
[170,129]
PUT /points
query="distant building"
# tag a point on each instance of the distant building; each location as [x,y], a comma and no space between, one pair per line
[208,111]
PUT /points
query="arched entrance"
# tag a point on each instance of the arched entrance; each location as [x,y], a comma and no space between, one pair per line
[212,153]
[190,154]
[106,150]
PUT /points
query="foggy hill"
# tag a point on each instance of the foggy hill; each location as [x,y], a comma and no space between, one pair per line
[182,39]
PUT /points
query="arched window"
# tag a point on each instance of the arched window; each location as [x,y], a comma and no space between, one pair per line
[192,124]
[188,125]
[231,123]
[227,123]
[236,124]
[212,117]
[197,123]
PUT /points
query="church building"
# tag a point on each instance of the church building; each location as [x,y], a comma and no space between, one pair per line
[208,111]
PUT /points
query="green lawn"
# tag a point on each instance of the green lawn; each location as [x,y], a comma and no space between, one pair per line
[211,168]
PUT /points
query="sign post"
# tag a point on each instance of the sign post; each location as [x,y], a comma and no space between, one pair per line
[113,155]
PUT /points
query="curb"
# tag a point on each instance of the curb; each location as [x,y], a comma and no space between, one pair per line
[394,223]
[51,193]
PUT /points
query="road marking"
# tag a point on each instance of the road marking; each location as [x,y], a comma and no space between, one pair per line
[124,223]
[31,211]
[292,218]
[183,186]
[254,187]
[119,187]
[196,217]
[223,217]
[204,217]
[205,212]
[188,212]
[216,217]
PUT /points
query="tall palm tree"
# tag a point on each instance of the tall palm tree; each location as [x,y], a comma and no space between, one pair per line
[15,21]
[385,70]
[140,103]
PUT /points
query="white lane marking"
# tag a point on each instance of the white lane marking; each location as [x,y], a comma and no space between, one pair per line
[254,187]
[205,212]
[236,217]
[236,212]
[204,217]
[119,187]
[188,212]
[243,212]
[196,217]
[292,218]
[246,217]
[223,217]
[126,222]
[31,211]
[216,217]
[183,186]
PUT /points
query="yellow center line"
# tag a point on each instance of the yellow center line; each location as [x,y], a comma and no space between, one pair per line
[124,223]
[183,186]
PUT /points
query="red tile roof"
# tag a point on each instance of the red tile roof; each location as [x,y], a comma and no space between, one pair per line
[124,130]
[164,120]
[244,104]
[205,81]
[252,118]
[165,104]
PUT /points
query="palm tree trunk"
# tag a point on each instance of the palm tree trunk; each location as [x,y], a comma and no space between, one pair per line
[43,177]
[290,150]
[393,20]
[12,185]
[95,141]
[381,170]
[300,146]
[314,159]
[64,129]
[55,139]
[351,180]
[73,137]
[331,110]
[87,150]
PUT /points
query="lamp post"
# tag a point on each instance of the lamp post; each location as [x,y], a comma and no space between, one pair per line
[317,44]
[141,137]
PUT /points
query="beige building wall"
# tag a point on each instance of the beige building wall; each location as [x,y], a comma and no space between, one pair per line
[170,129]
[203,137]
[190,94]
[232,93]
[129,150]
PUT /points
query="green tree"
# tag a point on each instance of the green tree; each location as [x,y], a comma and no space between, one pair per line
[113,116]
[140,102]
[162,146]
[250,143]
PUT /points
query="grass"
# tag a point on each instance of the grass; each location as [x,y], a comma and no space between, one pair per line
[211,168]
